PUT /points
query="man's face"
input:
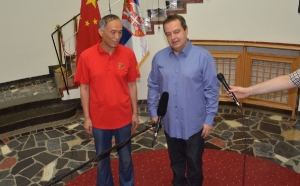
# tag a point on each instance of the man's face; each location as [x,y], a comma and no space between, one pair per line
[111,34]
[176,36]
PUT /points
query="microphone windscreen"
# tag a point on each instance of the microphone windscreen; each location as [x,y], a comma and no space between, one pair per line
[163,104]
[220,77]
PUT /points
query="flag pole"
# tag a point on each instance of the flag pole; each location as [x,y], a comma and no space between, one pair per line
[158,14]
[109,8]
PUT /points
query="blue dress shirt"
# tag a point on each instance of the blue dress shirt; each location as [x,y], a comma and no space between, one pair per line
[191,81]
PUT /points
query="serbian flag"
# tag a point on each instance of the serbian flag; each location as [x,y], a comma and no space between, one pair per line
[134,33]
[88,26]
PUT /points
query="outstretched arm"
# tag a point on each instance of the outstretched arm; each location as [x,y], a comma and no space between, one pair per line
[273,85]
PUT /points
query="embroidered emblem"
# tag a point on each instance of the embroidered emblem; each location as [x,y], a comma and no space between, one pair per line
[121,66]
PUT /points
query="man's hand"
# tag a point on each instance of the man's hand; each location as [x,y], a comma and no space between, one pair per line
[154,120]
[206,130]
[135,121]
[88,126]
[239,92]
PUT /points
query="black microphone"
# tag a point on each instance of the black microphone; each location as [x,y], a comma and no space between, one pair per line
[223,81]
[161,111]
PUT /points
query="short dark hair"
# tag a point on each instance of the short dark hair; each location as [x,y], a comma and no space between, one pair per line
[104,20]
[174,17]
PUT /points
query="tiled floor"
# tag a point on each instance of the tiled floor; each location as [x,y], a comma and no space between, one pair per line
[34,155]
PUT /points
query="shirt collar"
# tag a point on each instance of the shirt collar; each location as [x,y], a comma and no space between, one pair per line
[185,51]
[100,49]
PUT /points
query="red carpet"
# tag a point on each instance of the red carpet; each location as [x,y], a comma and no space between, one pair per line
[220,168]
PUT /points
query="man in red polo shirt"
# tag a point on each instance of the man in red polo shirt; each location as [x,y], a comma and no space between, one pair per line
[107,74]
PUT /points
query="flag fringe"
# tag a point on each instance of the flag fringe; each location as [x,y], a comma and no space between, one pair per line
[144,59]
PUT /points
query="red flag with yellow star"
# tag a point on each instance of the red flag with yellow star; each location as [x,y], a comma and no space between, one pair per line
[88,26]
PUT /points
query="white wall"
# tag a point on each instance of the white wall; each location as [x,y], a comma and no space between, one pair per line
[25,40]
[26,27]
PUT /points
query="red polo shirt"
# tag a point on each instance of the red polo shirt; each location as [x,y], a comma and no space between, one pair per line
[108,76]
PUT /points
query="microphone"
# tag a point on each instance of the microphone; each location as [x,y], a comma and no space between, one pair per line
[161,112]
[223,81]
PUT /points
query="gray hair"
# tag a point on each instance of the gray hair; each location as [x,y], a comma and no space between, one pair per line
[104,20]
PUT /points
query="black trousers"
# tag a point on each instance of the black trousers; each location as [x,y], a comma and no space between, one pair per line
[186,160]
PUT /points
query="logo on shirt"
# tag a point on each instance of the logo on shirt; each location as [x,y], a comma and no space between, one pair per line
[121,66]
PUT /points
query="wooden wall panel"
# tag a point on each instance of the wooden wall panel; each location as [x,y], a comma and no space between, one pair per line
[245,68]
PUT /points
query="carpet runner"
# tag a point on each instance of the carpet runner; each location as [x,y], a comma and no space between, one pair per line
[220,168]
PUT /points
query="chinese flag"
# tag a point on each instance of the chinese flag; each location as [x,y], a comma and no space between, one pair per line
[88,26]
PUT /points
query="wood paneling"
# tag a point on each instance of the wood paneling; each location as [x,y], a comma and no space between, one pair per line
[244,68]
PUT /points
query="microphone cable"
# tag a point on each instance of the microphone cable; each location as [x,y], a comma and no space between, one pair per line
[246,144]
[221,78]
[245,139]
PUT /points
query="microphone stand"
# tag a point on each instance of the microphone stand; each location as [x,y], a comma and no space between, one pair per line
[58,178]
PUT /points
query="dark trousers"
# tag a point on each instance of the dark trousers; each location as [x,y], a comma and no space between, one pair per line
[186,159]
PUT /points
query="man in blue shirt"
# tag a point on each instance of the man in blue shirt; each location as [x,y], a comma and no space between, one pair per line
[188,74]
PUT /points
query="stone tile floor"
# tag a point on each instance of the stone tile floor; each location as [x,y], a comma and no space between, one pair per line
[34,155]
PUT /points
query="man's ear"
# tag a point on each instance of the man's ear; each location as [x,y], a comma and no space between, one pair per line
[100,31]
